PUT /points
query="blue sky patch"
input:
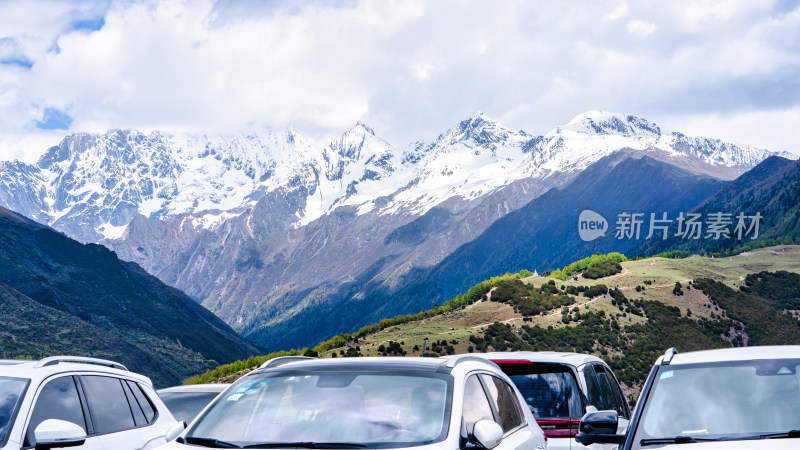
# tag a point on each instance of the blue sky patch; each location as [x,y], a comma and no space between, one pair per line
[92,24]
[54,119]
[19,61]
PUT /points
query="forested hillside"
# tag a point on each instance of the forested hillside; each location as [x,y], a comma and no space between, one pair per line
[63,297]
[771,190]
[628,318]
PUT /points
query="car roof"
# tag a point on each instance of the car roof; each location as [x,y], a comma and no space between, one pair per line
[370,362]
[736,354]
[573,359]
[376,363]
[211,387]
[53,365]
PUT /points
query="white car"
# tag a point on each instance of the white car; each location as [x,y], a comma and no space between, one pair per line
[731,399]
[353,403]
[66,401]
[559,388]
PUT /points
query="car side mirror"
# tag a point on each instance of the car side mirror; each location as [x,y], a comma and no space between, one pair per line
[487,433]
[599,428]
[175,430]
[54,433]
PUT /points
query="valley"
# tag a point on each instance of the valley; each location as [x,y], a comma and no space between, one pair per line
[289,244]
[272,233]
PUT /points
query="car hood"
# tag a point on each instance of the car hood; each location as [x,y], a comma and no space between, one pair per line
[770,444]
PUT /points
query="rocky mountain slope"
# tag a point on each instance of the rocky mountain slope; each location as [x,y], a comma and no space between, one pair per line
[541,234]
[63,297]
[265,225]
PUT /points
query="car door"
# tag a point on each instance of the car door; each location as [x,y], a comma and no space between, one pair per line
[489,398]
[122,416]
[60,398]
[517,435]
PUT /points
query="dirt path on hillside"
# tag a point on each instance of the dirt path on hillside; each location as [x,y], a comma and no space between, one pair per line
[507,321]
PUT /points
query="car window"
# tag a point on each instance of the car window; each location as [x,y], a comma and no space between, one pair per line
[138,414]
[110,409]
[594,391]
[619,399]
[185,406]
[612,402]
[550,390]
[58,399]
[144,401]
[726,400]
[11,392]
[476,405]
[504,402]
[381,409]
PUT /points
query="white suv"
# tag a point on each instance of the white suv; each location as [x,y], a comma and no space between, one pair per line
[66,401]
[353,403]
[560,388]
[730,399]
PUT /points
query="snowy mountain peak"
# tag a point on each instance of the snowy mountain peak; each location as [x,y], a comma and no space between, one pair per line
[351,144]
[606,123]
[478,130]
[363,128]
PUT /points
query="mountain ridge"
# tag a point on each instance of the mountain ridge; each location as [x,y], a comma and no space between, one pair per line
[161,175]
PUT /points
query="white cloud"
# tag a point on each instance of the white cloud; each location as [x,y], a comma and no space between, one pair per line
[619,11]
[27,147]
[408,68]
[641,28]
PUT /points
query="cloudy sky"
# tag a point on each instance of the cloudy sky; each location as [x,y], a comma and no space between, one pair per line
[409,69]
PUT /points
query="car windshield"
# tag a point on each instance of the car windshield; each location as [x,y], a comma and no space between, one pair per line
[729,400]
[550,390]
[376,409]
[11,390]
[185,406]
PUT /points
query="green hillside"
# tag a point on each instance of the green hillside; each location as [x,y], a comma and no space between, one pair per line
[58,296]
[628,318]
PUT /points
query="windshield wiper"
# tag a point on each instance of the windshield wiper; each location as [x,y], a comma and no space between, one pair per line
[674,440]
[208,442]
[782,435]
[335,445]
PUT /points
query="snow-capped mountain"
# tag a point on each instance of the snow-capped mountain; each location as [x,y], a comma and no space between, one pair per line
[594,134]
[92,186]
[258,225]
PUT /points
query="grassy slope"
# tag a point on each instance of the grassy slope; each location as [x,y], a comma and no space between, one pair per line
[657,275]
[663,275]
